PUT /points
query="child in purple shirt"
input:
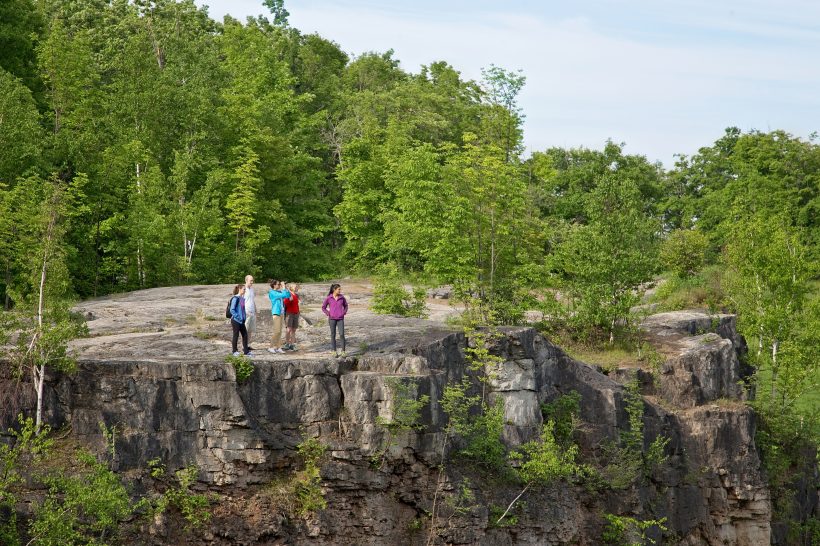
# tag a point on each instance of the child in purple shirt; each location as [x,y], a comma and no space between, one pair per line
[335,307]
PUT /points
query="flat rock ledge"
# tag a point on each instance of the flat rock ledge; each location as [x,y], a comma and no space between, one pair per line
[154,367]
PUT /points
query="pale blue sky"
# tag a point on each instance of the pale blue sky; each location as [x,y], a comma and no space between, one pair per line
[664,77]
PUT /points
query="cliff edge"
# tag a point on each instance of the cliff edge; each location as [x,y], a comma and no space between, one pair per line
[154,367]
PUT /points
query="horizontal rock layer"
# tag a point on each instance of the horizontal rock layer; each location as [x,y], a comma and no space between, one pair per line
[191,410]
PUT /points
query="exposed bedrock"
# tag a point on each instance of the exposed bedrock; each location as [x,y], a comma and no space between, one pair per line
[190,409]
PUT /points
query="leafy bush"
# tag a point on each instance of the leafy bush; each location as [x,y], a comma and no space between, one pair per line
[563,412]
[243,366]
[27,449]
[300,493]
[497,517]
[85,503]
[406,407]
[485,447]
[809,532]
[308,484]
[784,438]
[83,507]
[684,252]
[627,531]
[705,289]
[391,298]
[194,507]
[544,460]
[480,430]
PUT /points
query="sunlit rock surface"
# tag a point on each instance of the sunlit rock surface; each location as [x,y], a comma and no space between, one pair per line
[154,367]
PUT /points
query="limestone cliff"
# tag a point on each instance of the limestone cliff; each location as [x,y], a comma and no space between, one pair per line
[154,367]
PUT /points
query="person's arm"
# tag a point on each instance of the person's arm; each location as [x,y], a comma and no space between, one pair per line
[344,303]
[324,306]
[234,308]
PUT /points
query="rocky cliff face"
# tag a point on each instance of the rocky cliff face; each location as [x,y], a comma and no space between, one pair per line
[154,368]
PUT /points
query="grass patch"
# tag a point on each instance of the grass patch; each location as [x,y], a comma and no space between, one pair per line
[609,357]
[629,354]
[703,290]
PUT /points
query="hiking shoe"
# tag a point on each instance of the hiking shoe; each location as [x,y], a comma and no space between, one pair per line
[280,350]
[249,354]
[272,350]
[237,353]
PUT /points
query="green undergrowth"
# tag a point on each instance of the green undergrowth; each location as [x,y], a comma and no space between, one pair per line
[80,499]
[621,354]
[299,494]
[703,290]
[243,366]
[629,531]
[788,444]
[390,297]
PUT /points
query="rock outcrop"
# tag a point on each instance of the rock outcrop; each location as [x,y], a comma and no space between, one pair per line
[154,367]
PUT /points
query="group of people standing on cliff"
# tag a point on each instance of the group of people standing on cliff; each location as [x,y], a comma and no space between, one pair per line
[284,300]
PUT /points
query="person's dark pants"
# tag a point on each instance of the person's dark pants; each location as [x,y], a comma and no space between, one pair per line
[240,329]
[334,325]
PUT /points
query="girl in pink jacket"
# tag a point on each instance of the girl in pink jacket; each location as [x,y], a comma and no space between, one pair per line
[335,307]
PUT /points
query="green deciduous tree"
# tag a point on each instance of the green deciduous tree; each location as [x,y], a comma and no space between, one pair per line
[772,172]
[503,119]
[21,137]
[43,340]
[604,262]
[769,270]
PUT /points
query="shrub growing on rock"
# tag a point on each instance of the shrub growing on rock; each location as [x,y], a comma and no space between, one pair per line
[390,297]
[243,366]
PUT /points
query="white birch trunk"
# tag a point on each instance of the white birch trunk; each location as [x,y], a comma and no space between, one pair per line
[775,346]
[39,371]
[140,259]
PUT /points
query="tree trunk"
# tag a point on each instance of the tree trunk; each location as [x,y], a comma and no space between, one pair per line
[191,251]
[39,382]
[7,302]
[775,346]
[431,537]
[612,332]
[140,257]
[39,371]
[97,257]
[513,503]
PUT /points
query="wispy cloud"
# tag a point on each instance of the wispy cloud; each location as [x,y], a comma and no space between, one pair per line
[665,77]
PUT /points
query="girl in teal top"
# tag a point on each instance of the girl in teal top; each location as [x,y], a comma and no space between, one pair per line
[276,294]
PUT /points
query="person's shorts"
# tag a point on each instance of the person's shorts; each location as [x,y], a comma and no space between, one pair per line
[292,320]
